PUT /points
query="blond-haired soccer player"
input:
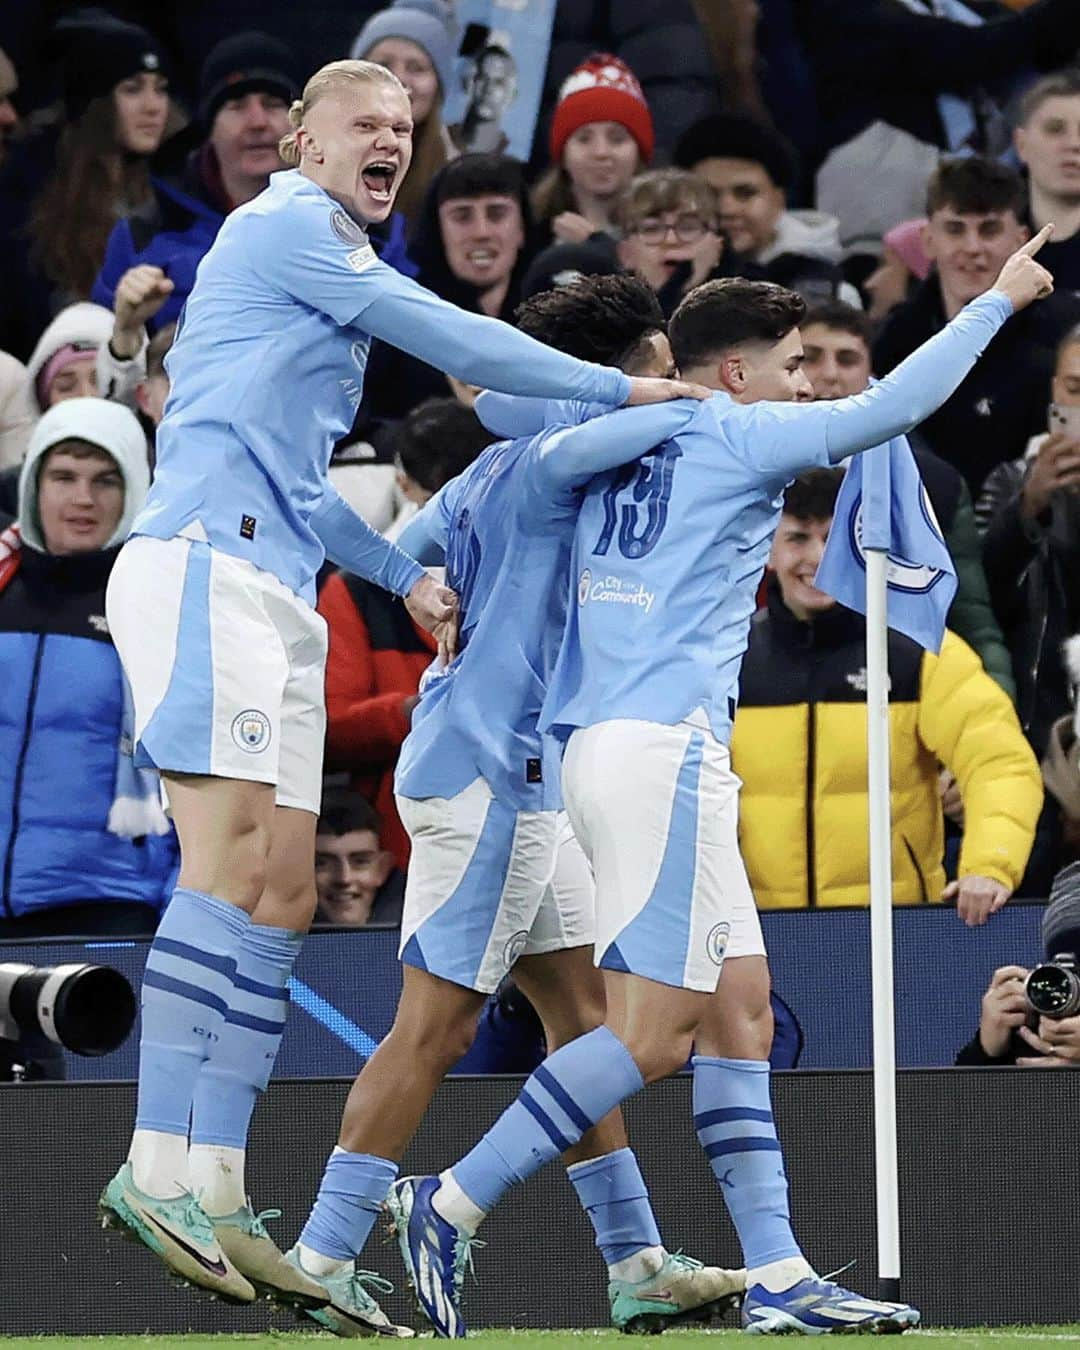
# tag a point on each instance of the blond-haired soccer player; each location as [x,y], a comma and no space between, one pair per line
[210,606]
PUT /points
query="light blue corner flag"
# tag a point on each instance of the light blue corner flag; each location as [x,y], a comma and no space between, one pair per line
[883,505]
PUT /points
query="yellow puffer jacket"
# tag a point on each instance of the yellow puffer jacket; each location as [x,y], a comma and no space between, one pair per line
[799,745]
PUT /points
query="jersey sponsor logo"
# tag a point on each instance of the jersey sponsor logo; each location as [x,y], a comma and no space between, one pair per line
[361,258]
[902,574]
[347,229]
[717,941]
[613,590]
[514,947]
[251,730]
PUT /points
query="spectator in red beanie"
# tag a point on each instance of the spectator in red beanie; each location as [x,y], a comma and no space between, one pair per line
[601,136]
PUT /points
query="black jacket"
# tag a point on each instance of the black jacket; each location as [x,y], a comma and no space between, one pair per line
[876,59]
[1003,401]
[1033,571]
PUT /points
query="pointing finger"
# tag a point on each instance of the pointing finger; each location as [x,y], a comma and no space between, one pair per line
[1034,244]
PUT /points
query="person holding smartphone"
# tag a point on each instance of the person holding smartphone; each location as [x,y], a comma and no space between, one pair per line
[1029,513]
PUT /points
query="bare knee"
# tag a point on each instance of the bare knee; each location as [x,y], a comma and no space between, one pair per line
[659,1056]
[738,1022]
[435,1036]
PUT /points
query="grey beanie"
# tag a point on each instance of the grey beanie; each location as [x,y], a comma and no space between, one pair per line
[1061,918]
[428,23]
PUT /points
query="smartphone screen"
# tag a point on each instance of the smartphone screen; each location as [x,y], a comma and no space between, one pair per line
[1064,421]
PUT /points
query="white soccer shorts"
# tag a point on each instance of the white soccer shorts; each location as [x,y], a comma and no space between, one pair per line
[487,884]
[656,810]
[226,667]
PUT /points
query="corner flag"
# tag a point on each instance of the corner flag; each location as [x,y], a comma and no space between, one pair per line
[883,506]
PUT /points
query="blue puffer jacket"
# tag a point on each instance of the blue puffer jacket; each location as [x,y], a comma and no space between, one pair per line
[61,706]
[176,233]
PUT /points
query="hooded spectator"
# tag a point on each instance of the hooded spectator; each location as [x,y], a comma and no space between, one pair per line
[416,41]
[246,85]
[601,136]
[61,192]
[85,844]
[751,167]
[18,413]
[63,364]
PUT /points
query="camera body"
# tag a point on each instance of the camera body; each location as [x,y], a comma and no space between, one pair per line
[1053,989]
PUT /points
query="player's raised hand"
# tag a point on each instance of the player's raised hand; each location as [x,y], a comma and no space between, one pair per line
[1023,279]
[435,608]
[646,389]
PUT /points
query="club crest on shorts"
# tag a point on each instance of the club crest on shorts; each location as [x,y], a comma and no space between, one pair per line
[717,941]
[514,947]
[251,730]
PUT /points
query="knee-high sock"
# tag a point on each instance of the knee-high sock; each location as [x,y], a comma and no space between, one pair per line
[185,991]
[351,1193]
[734,1122]
[239,1065]
[573,1089]
[613,1194]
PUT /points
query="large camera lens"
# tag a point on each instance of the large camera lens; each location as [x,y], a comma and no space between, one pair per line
[1053,991]
[87,1009]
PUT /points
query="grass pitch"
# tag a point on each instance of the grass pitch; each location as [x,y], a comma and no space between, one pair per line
[1000,1338]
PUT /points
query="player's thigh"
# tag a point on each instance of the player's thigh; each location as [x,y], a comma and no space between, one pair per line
[225,828]
[737,1022]
[566,989]
[656,1022]
[433,1012]
[205,660]
[656,808]
[477,874]
[566,917]
[303,705]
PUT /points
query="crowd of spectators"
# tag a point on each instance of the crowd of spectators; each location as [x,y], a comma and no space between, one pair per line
[880,157]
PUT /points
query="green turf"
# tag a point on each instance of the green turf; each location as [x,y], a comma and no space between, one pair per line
[1001,1338]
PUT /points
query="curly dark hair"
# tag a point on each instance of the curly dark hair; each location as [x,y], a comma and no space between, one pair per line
[605,318]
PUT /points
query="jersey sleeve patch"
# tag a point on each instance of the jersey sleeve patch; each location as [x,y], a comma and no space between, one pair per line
[360,259]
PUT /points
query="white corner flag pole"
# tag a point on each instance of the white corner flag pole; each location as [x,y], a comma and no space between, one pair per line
[881,919]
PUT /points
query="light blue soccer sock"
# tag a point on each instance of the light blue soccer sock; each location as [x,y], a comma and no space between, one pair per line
[185,993]
[613,1194]
[242,1059]
[734,1121]
[350,1197]
[239,1066]
[573,1089]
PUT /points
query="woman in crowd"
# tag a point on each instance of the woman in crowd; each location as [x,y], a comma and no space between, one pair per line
[601,136]
[63,190]
[415,40]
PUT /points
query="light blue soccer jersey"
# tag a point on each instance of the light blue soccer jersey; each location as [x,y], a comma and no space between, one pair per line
[505,526]
[668,553]
[267,373]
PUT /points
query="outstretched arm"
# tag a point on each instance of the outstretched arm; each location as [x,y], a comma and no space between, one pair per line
[491,354]
[783,439]
[573,455]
